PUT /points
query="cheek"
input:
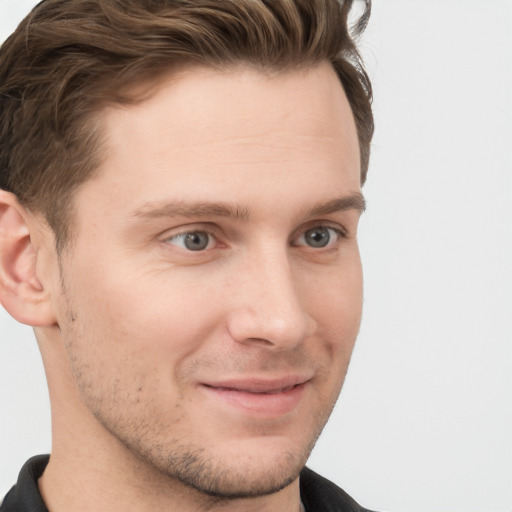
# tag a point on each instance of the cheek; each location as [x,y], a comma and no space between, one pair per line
[153,327]
[337,311]
[335,300]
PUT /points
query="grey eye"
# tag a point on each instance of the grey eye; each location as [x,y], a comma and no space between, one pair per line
[196,241]
[192,240]
[318,237]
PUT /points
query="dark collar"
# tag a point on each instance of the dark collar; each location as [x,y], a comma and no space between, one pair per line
[25,495]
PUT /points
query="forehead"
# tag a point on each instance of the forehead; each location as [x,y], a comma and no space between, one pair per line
[235,130]
[225,106]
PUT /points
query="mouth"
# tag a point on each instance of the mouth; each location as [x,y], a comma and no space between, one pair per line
[272,391]
[257,397]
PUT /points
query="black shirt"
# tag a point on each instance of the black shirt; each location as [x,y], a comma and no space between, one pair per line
[317,493]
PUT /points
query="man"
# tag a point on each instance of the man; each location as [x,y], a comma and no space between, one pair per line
[181,188]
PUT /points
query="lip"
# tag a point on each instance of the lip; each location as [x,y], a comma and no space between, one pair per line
[265,398]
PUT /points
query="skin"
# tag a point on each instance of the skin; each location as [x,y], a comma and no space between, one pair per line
[159,358]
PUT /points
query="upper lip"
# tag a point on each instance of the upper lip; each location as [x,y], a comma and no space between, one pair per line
[260,385]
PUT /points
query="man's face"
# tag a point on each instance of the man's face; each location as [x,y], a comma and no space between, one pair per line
[212,297]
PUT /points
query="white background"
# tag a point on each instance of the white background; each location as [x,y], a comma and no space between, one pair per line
[424,423]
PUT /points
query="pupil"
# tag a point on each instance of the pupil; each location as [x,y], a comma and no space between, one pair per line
[318,237]
[196,241]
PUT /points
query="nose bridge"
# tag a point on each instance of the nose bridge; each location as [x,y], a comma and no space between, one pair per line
[268,307]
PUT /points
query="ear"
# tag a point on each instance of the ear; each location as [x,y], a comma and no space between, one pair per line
[22,293]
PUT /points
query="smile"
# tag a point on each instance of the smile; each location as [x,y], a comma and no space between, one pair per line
[263,399]
[269,392]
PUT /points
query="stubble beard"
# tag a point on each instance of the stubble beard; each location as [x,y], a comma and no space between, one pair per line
[176,459]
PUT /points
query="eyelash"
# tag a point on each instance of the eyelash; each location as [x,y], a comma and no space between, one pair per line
[339,233]
[184,234]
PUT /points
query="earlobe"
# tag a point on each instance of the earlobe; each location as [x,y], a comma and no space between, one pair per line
[22,293]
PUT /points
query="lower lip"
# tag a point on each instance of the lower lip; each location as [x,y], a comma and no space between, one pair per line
[260,404]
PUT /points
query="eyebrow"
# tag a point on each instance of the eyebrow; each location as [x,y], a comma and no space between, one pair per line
[354,201]
[187,209]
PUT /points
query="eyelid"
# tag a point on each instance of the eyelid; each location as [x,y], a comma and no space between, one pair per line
[181,231]
[332,242]
[182,237]
[341,231]
[213,232]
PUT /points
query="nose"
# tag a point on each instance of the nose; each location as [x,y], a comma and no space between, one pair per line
[268,307]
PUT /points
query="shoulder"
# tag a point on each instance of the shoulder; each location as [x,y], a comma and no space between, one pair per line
[320,494]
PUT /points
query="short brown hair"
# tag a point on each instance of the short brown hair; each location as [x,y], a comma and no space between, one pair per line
[68,58]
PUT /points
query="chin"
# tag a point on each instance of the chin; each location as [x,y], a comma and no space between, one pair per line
[234,470]
[241,479]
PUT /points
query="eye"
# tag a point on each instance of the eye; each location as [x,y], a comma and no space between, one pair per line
[192,240]
[320,237]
